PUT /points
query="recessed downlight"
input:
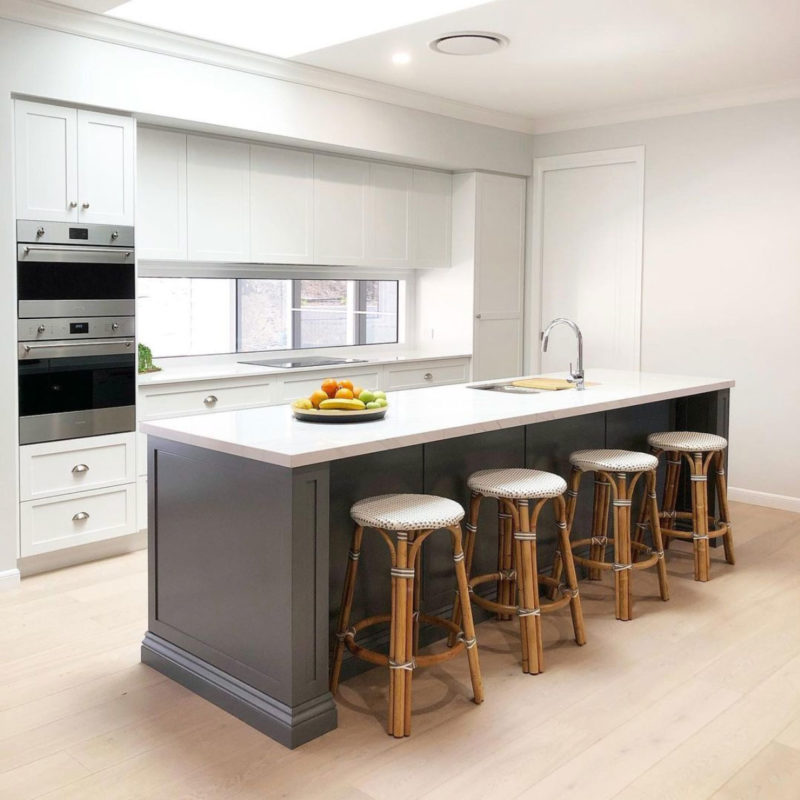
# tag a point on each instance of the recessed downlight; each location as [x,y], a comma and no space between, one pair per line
[401,58]
[468,43]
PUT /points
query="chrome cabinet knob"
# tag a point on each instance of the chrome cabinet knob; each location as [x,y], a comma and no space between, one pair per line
[477,316]
[79,469]
[428,376]
[114,235]
[39,233]
[84,205]
[73,204]
[41,329]
[115,326]
[211,400]
[80,516]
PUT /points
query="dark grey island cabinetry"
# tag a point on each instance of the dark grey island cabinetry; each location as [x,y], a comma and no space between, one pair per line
[249,526]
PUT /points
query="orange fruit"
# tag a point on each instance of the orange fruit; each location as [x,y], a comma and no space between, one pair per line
[344,393]
[346,384]
[357,391]
[330,387]
[317,397]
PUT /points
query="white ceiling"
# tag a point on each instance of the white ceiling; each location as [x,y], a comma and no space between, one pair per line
[568,58]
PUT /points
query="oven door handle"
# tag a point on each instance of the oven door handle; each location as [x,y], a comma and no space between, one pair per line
[89,346]
[55,253]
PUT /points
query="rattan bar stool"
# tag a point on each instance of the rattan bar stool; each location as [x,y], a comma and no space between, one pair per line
[616,474]
[517,570]
[411,518]
[701,451]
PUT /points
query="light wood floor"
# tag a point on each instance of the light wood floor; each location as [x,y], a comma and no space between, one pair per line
[695,698]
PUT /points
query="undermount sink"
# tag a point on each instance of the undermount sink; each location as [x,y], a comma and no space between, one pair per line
[505,388]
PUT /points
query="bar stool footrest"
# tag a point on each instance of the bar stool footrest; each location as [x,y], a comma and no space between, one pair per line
[637,547]
[717,527]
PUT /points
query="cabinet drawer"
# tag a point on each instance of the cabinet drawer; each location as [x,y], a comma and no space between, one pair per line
[210,398]
[75,519]
[293,388]
[430,374]
[75,465]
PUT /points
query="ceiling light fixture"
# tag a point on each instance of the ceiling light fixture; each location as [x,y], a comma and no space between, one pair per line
[469,43]
[401,58]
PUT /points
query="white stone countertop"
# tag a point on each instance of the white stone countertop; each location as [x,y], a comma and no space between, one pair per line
[272,434]
[222,370]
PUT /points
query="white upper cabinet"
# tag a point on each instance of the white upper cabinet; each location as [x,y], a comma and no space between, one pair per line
[341,186]
[218,199]
[46,140]
[73,166]
[161,194]
[105,168]
[432,218]
[388,216]
[281,205]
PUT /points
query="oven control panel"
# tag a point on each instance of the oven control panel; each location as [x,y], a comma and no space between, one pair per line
[50,328]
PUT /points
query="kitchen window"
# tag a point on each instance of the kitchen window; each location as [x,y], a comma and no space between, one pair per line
[203,316]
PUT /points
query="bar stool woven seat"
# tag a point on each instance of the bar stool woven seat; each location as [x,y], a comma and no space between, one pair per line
[517,576]
[612,461]
[704,455]
[617,473]
[406,512]
[516,483]
[404,522]
[687,442]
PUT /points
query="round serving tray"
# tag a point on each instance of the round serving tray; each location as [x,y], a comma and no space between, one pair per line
[338,415]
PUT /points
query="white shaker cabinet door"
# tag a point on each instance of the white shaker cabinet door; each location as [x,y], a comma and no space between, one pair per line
[389,215]
[218,199]
[161,194]
[431,218]
[105,168]
[46,144]
[281,205]
[340,202]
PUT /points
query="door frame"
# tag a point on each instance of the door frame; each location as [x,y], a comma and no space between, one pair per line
[595,158]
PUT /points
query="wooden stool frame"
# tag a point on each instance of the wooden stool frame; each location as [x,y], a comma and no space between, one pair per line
[616,490]
[404,622]
[704,525]
[518,574]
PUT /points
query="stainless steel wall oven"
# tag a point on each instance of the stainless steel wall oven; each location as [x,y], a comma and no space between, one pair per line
[76,332]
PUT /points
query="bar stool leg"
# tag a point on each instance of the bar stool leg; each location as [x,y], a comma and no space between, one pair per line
[506,588]
[597,549]
[470,642]
[347,605]
[702,557]
[651,502]
[572,501]
[672,481]
[622,547]
[724,513]
[569,567]
[400,658]
[417,594]
[469,550]
[527,575]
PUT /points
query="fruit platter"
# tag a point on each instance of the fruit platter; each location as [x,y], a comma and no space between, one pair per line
[341,401]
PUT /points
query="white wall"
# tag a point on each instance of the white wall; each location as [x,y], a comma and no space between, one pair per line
[721,283]
[53,65]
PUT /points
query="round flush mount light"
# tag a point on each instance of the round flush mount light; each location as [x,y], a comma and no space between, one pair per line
[468,43]
[401,58]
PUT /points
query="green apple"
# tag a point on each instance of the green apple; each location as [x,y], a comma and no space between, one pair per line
[373,404]
[366,396]
[378,394]
[381,401]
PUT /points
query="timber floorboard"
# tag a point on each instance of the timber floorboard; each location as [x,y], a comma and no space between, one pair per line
[695,698]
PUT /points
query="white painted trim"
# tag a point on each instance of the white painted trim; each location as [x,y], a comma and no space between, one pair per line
[621,155]
[781,501]
[667,108]
[44,14]
[9,579]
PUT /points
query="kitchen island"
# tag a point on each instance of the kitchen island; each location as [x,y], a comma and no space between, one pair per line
[249,527]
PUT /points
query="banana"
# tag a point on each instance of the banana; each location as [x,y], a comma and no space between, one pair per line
[342,404]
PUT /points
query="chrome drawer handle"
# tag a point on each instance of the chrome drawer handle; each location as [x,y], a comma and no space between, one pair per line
[428,376]
[80,516]
[79,469]
[210,400]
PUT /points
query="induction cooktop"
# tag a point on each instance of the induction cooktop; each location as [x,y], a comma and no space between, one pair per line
[303,361]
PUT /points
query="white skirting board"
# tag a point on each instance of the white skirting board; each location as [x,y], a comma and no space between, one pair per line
[781,501]
[9,578]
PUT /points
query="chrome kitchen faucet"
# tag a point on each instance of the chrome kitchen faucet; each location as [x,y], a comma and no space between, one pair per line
[576,376]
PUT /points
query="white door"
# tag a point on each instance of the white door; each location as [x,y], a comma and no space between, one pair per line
[160,194]
[431,218]
[105,168]
[588,230]
[340,203]
[281,205]
[499,266]
[46,142]
[388,215]
[218,199]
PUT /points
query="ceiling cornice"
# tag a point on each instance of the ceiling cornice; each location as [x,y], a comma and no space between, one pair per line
[44,14]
